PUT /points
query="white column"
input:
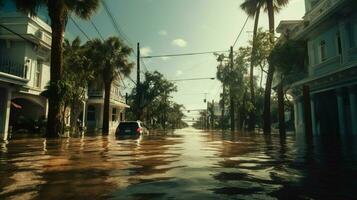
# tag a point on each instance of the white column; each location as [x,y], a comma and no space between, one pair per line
[341,111]
[313,114]
[84,115]
[352,97]
[46,109]
[6,104]
[296,115]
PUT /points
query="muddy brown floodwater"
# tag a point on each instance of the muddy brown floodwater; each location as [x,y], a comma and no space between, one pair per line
[185,164]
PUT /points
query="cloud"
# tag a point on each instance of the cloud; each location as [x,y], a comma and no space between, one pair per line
[179,73]
[179,42]
[163,33]
[165,58]
[145,51]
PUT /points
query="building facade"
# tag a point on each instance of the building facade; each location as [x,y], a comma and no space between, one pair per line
[329,29]
[25,46]
[95,106]
[24,69]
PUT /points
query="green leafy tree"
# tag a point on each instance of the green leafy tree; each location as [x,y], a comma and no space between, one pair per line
[158,109]
[58,11]
[110,60]
[77,72]
[252,8]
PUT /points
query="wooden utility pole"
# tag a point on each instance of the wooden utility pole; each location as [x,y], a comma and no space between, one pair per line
[138,91]
[231,92]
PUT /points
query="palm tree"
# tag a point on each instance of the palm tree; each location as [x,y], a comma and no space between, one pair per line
[252,7]
[111,59]
[58,11]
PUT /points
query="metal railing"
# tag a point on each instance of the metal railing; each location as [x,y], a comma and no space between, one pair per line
[11,67]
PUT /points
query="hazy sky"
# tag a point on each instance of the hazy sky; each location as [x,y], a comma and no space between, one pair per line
[182,26]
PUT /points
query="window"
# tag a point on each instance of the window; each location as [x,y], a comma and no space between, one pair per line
[114,114]
[38,70]
[91,113]
[323,51]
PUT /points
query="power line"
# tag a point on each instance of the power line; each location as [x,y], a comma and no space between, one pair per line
[78,27]
[193,79]
[240,33]
[184,54]
[146,68]
[13,32]
[95,27]
[115,23]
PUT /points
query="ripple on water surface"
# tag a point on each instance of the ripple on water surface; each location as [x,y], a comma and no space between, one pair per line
[185,164]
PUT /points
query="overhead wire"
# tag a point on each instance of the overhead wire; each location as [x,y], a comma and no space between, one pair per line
[184,54]
[241,31]
[78,27]
[95,27]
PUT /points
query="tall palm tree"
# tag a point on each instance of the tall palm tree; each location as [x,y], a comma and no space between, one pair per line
[252,8]
[272,6]
[58,11]
[111,59]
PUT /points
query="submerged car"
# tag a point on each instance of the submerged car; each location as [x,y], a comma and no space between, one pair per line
[131,128]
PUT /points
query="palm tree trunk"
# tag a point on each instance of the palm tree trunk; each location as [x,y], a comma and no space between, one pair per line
[251,81]
[222,107]
[232,112]
[55,118]
[271,69]
[107,89]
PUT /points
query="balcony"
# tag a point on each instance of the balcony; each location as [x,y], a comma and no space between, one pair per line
[10,67]
[327,66]
[100,94]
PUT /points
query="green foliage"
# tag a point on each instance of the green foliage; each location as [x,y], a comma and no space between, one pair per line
[110,58]
[289,57]
[159,109]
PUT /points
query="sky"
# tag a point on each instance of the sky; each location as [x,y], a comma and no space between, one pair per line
[180,26]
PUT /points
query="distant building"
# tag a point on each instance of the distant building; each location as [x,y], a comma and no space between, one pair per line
[95,105]
[329,29]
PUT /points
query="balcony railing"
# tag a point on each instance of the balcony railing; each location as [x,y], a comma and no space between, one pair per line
[100,94]
[10,67]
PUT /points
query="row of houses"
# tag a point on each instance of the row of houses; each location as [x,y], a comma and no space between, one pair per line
[25,45]
[325,96]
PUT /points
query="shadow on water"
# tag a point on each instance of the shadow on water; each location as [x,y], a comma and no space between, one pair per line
[181,164]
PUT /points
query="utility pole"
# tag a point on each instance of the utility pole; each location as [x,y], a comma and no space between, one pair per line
[138,87]
[231,92]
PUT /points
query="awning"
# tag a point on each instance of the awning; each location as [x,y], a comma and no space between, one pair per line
[16,105]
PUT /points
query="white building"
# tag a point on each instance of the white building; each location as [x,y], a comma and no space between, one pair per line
[25,44]
[95,105]
[24,69]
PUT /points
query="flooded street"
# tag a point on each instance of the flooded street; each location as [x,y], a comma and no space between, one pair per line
[186,164]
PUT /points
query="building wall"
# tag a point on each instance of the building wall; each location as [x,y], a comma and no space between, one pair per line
[346,30]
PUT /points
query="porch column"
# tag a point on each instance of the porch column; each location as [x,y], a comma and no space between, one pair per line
[313,115]
[352,97]
[341,111]
[296,114]
[84,121]
[46,109]
[5,105]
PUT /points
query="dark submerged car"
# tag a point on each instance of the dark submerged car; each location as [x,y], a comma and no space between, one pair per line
[130,128]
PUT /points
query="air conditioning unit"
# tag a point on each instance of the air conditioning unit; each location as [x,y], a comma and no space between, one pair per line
[39,34]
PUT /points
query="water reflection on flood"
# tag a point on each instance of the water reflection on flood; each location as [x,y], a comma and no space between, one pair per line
[186,164]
